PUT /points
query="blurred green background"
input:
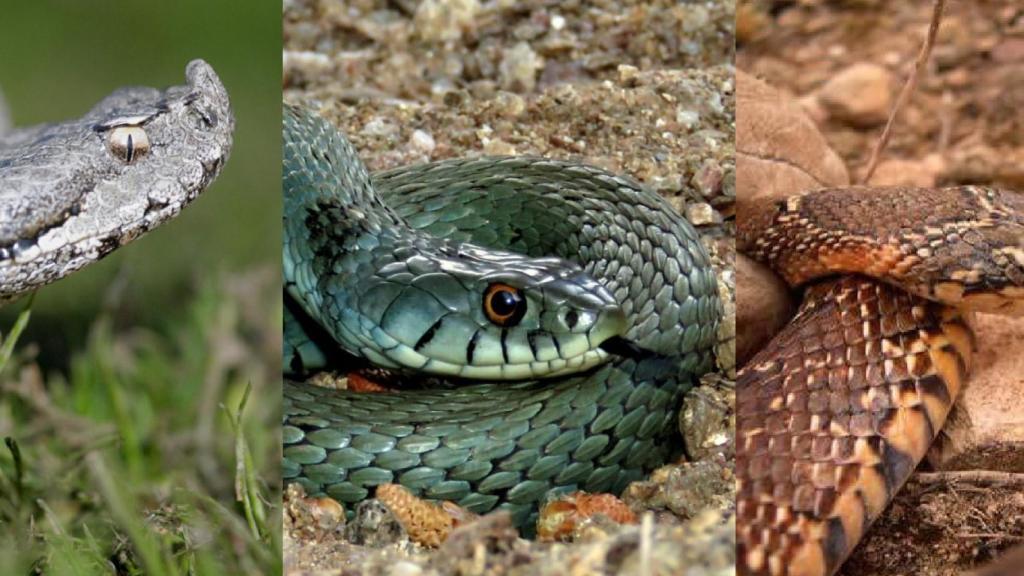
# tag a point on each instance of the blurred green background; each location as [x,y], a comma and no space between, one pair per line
[127,444]
[58,58]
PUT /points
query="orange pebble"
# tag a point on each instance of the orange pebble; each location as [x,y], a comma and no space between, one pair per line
[558,519]
[427,523]
[359,383]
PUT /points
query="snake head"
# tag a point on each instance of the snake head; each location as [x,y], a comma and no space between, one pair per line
[975,260]
[481,314]
[171,143]
[72,192]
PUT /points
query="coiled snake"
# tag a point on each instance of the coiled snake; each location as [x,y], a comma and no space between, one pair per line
[836,412]
[583,301]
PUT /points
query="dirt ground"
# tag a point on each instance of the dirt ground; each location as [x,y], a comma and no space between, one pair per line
[644,88]
[964,125]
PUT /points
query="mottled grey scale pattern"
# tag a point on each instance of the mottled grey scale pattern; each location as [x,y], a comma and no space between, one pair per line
[67,198]
[506,444]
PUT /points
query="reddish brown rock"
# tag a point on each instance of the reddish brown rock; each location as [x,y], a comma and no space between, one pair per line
[779,150]
[986,428]
[900,172]
[763,306]
[860,95]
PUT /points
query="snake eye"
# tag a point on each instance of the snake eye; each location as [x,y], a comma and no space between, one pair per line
[128,143]
[504,305]
[203,119]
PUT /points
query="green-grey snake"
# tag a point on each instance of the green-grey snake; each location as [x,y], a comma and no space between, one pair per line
[509,278]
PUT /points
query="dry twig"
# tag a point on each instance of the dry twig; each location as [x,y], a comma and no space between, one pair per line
[908,89]
[976,477]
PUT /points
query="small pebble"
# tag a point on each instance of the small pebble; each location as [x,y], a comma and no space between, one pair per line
[627,74]
[687,118]
[559,519]
[519,68]
[498,147]
[859,95]
[405,568]
[444,20]
[380,127]
[422,141]
[508,104]
[375,525]
[700,213]
[708,179]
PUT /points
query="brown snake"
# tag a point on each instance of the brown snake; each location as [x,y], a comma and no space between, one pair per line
[840,407]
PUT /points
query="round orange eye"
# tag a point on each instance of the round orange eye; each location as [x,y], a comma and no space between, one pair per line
[504,305]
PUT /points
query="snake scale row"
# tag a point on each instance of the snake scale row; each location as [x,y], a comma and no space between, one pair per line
[837,411]
[506,279]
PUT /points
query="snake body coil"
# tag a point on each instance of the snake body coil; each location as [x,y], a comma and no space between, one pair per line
[837,411]
[584,258]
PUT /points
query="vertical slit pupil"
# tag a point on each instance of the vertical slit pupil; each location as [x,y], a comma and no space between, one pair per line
[571,318]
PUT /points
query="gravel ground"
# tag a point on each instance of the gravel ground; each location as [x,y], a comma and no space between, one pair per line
[644,88]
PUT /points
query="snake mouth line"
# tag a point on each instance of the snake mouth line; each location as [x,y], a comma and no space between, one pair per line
[623,347]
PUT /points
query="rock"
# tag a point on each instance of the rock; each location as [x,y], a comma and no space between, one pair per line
[560,519]
[298,66]
[498,147]
[861,95]
[422,141]
[444,20]
[986,428]
[956,42]
[687,118]
[899,172]
[701,214]
[707,420]
[482,547]
[779,150]
[381,127]
[375,525]
[405,568]
[725,351]
[508,104]
[685,489]
[519,67]
[313,516]
[763,306]
[812,107]
[1009,51]
[627,74]
[709,179]
[986,164]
